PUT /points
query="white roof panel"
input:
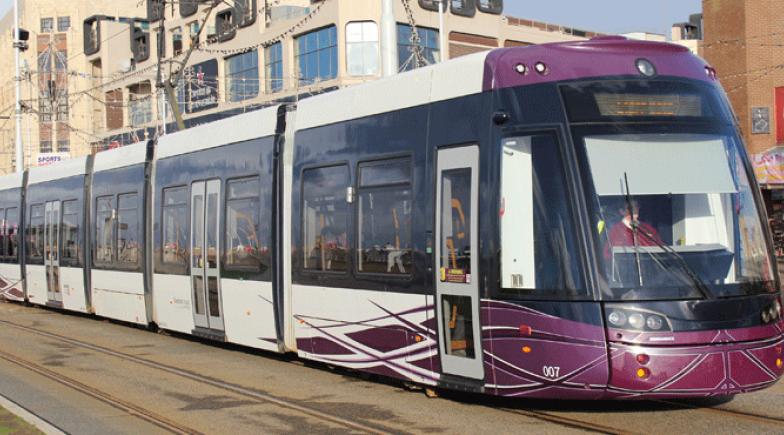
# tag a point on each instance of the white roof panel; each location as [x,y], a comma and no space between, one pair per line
[10,181]
[240,128]
[128,155]
[443,81]
[58,171]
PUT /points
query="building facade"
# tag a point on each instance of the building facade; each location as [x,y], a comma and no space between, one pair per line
[55,118]
[744,41]
[247,54]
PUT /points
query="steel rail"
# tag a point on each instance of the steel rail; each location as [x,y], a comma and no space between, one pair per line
[209,381]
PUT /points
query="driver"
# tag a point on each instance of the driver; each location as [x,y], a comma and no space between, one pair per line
[622,233]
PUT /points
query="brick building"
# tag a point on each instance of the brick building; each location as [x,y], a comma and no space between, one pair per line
[744,41]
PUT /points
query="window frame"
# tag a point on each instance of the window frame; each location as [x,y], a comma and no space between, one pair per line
[65,260]
[363,45]
[246,82]
[340,192]
[13,259]
[273,69]
[227,201]
[385,187]
[303,53]
[185,206]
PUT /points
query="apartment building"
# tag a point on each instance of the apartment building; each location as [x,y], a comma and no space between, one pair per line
[230,57]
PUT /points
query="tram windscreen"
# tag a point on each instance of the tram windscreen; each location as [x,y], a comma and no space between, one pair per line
[675,216]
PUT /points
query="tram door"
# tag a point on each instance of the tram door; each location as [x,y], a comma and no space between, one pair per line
[52,243]
[205,260]
[457,280]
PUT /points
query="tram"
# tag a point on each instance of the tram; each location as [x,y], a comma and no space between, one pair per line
[573,220]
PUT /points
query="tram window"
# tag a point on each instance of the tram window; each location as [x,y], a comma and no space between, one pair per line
[175,225]
[384,217]
[36,237]
[324,221]
[128,228]
[70,230]
[538,241]
[242,224]
[455,235]
[104,229]
[458,326]
[11,230]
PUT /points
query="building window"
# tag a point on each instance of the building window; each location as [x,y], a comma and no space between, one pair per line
[46,146]
[242,76]
[63,24]
[140,110]
[317,56]
[273,67]
[362,48]
[63,146]
[177,40]
[47,25]
[428,42]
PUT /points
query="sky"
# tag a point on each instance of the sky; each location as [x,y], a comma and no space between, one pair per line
[605,16]
[608,16]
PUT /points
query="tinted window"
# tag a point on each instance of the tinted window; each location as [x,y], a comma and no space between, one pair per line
[70,230]
[242,224]
[36,241]
[128,228]
[104,229]
[175,225]
[12,229]
[324,221]
[538,240]
[384,218]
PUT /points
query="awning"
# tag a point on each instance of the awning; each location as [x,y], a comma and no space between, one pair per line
[769,166]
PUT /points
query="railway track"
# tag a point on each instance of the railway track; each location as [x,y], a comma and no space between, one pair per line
[155,418]
[551,417]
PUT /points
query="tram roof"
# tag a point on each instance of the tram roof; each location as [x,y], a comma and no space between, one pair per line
[239,128]
[58,171]
[597,57]
[122,157]
[11,181]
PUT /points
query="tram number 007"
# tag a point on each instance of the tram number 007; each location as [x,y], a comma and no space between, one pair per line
[551,372]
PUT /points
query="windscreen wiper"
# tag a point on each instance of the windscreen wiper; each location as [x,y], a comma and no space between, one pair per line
[695,279]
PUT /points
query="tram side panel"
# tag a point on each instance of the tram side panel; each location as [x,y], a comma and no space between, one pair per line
[11,281]
[118,245]
[213,220]
[55,236]
[543,331]
[359,221]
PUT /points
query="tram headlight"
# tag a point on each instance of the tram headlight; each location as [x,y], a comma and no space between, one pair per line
[645,67]
[654,322]
[637,320]
[617,318]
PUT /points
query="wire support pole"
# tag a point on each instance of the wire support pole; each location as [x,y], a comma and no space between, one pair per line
[18,92]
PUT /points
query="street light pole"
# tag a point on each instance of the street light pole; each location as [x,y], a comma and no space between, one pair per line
[441,36]
[18,92]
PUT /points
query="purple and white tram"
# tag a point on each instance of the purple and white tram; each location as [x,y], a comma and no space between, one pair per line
[457,226]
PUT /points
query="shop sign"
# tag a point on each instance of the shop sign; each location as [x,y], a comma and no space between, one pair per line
[45,159]
[203,86]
